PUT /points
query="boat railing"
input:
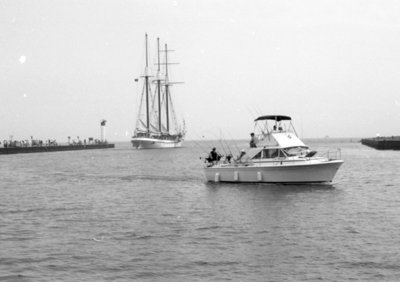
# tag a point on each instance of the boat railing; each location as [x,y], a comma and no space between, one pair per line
[331,154]
[321,155]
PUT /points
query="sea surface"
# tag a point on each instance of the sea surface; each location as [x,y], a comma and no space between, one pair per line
[149,215]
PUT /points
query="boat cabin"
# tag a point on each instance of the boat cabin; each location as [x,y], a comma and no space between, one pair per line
[269,154]
[276,153]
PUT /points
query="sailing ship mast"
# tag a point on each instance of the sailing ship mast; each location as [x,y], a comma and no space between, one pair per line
[167,94]
[166,84]
[158,78]
[146,77]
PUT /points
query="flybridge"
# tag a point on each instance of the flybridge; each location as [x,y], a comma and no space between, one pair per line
[274,123]
[276,118]
[277,130]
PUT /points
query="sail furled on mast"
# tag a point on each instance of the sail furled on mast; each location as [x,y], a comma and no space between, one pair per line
[156,115]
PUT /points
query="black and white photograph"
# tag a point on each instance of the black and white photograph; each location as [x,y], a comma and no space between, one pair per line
[199,140]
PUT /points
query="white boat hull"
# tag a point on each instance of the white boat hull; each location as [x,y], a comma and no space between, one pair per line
[277,172]
[153,143]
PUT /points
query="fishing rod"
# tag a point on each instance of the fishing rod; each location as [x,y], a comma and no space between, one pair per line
[226,144]
[199,149]
[257,125]
[203,140]
[221,143]
[207,144]
[234,143]
[225,147]
[258,112]
[202,153]
[251,113]
[200,146]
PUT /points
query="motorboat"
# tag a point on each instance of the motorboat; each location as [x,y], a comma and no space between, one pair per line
[279,156]
[156,123]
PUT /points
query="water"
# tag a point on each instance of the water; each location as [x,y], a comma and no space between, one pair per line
[127,215]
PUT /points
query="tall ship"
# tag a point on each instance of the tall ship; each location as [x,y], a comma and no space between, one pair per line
[156,123]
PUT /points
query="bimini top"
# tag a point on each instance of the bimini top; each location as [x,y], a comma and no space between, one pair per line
[277,118]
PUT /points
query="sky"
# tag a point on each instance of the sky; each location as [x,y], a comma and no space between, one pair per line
[333,66]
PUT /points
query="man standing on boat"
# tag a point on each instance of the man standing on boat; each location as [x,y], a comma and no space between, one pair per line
[253,141]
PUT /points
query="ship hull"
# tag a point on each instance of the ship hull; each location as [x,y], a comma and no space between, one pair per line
[285,172]
[153,143]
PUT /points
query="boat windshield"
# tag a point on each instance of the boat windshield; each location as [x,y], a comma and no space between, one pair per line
[296,151]
[269,154]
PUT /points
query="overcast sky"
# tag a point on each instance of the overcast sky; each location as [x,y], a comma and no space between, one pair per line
[334,66]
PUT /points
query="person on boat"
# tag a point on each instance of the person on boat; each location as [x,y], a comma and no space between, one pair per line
[253,140]
[228,158]
[214,156]
[242,157]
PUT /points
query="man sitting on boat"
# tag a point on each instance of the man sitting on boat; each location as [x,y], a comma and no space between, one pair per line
[213,157]
[253,141]
[243,157]
[228,158]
